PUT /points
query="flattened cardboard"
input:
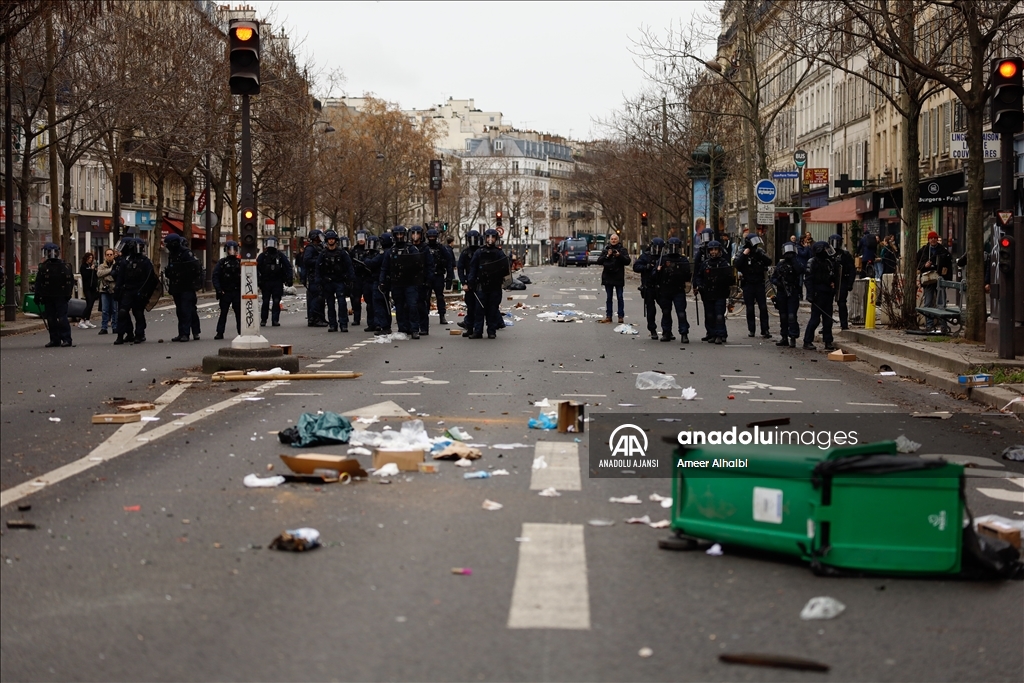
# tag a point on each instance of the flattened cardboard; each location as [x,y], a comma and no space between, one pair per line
[309,463]
[136,407]
[115,418]
[286,349]
[407,461]
[981,380]
[842,356]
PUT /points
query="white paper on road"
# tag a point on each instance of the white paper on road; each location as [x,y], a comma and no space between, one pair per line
[550,589]
[562,470]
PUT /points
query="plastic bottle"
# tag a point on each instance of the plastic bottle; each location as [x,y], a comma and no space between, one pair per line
[476,475]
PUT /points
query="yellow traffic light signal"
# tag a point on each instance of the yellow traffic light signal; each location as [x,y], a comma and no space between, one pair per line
[243,33]
[1008,69]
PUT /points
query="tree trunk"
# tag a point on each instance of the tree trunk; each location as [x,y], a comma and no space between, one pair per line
[51,126]
[159,227]
[974,326]
[910,223]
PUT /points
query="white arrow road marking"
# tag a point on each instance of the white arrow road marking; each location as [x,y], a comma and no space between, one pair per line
[551,590]
[1009,496]
[417,379]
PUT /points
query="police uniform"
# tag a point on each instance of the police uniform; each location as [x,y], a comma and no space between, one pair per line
[403,270]
[314,297]
[846,273]
[487,271]
[786,278]
[752,263]
[821,274]
[423,289]
[184,278]
[669,277]
[703,239]
[473,243]
[134,282]
[54,282]
[227,283]
[644,265]
[363,284]
[335,274]
[714,281]
[273,269]
[381,322]
[440,276]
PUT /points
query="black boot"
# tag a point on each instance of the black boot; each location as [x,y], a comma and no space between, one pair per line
[792,342]
[782,342]
[443,321]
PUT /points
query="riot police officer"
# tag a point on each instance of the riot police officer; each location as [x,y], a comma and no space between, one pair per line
[473,243]
[752,263]
[821,274]
[714,281]
[273,269]
[645,265]
[54,282]
[416,239]
[669,277]
[381,322]
[846,273]
[314,297]
[363,284]
[786,279]
[227,283]
[134,283]
[403,270]
[335,273]
[441,276]
[704,238]
[184,278]
[487,271]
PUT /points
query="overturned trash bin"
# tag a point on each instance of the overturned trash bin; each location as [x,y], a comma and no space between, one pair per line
[854,508]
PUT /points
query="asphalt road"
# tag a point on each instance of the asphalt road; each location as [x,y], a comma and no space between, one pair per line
[184,587]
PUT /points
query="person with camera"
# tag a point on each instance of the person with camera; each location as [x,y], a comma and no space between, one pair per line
[614,259]
[933,263]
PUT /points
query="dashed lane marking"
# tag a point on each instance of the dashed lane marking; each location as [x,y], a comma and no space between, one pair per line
[876,405]
[816,379]
[550,589]
[585,395]
[400,394]
[587,296]
[424,372]
[287,393]
[573,372]
[771,400]
[480,394]
[743,376]
[1002,494]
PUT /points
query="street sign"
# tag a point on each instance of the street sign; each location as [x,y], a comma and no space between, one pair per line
[766,218]
[201,219]
[501,231]
[785,175]
[1005,217]
[958,145]
[766,191]
[770,208]
[816,176]
[800,158]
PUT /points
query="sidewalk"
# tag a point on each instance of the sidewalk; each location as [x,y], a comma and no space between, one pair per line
[938,364]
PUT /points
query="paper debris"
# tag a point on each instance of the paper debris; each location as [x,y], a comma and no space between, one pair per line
[646,519]
[628,500]
[905,445]
[510,446]
[387,470]
[663,524]
[255,482]
[549,493]
[539,463]
[491,505]
[359,450]
[543,403]
[715,550]
[822,608]
[689,393]
[54,419]
[267,373]
[601,522]
[499,473]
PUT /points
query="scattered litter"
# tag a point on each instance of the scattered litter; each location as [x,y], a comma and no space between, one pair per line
[626,328]
[601,522]
[539,462]
[463,462]
[645,652]
[1008,530]
[666,502]
[132,508]
[776,661]
[646,519]
[388,470]
[655,380]
[457,433]
[663,524]
[981,380]
[939,415]
[1019,399]
[509,446]
[477,475]
[20,524]
[628,405]
[1015,453]
[822,607]
[842,356]
[491,505]
[388,338]
[549,493]
[499,473]
[268,373]
[462,571]
[628,500]
[359,450]
[543,421]
[150,418]
[428,467]
[715,550]
[367,420]
[456,450]
[297,540]
[689,393]
[905,445]
[54,419]
[136,407]
[889,373]
[543,403]
[326,467]
[254,481]
[316,429]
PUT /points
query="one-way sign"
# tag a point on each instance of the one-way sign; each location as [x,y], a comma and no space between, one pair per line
[766,191]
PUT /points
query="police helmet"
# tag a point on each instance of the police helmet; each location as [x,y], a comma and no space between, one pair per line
[270,242]
[371,241]
[315,236]
[362,236]
[675,245]
[231,248]
[51,250]
[344,241]
[491,233]
[788,249]
[128,246]
[706,236]
[473,238]
[657,246]
[432,234]
[754,242]
[819,248]
[416,230]
[330,235]
[714,244]
[174,241]
[399,233]
[836,241]
[386,241]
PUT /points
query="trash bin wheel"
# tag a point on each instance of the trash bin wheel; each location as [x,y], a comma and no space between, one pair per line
[678,542]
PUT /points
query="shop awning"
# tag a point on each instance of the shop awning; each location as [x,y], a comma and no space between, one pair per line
[170,225]
[837,212]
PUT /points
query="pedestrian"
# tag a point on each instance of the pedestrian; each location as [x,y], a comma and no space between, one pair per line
[714,282]
[90,288]
[670,276]
[402,271]
[645,265]
[135,282]
[473,242]
[273,269]
[487,271]
[752,263]
[227,283]
[381,293]
[184,278]
[448,242]
[846,273]
[362,285]
[933,263]
[108,303]
[822,277]
[314,297]
[439,278]
[54,282]
[335,274]
[614,259]
[889,255]
[867,249]
[786,278]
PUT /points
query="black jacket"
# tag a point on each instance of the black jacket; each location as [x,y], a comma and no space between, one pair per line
[614,258]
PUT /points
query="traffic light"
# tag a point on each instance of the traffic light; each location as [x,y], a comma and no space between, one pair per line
[444,227]
[244,41]
[796,217]
[1006,252]
[511,222]
[497,216]
[643,219]
[1007,104]
[247,232]
[526,230]
[435,174]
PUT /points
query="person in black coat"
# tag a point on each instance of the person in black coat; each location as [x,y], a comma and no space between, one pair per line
[134,282]
[90,287]
[786,278]
[54,282]
[314,297]
[487,271]
[362,287]
[669,278]
[473,242]
[645,264]
[273,270]
[752,263]
[184,278]
[614,258]
[847,272]
[439,279]
[821,271]
[335,273]
[227,283]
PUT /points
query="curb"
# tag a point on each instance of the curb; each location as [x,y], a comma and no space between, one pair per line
[22,328]
[915,353]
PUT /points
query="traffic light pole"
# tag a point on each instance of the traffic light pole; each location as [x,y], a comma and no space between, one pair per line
[1007,288]
[250,337]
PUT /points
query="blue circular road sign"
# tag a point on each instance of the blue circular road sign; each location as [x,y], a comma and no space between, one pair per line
[766,191]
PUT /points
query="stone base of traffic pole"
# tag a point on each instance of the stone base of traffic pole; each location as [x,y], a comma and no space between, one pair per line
[250,350]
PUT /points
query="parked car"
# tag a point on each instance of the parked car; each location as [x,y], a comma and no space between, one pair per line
[573,251]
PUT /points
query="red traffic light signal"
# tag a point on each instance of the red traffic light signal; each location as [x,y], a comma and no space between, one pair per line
[643,219]
[1006,108]
[244,43]
[1006,253]
[497,216]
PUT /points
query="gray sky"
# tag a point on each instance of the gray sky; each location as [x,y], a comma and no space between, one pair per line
[547,66]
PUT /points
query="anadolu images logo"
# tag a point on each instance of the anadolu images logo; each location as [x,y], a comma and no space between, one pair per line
[628,444]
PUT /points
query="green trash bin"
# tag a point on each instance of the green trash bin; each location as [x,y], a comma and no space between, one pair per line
[29,305]
[861,508]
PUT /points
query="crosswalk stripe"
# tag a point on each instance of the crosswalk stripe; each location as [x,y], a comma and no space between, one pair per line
[563,470]
[550,589]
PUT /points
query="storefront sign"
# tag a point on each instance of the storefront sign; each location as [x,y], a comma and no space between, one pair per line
[816,176]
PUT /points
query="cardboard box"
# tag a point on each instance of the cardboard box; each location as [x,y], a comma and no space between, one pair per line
[318,463]
[407,461]
[975,380]
[286,349]
[1001,531]
[842,356]
[115,418]
[570,417]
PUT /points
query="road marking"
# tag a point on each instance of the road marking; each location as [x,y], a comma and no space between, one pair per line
[563,470]
[743,376]
[627,298]
[215,303]
[475,394]
[771,400]
[1009,496]
[586,395]
[737,346]
[283,393]
[325,360]
[399,394]
[587,296]
[489,371]
[314,365]
[517,296]
[816,379]
[556,296]
[383,409]
[417,379]
[550,590]
[125,439]
[419,371]
[573,372]
[879,405]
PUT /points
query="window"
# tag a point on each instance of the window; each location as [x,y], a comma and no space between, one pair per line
[515,187]
[515,167]
[499,145]
[925,135]
[946,123]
